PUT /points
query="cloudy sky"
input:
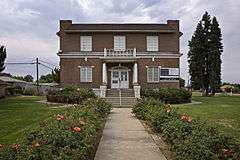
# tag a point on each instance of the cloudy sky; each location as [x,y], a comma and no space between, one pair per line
[28,27]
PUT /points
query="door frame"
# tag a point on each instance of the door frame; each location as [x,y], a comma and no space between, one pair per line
[119,69]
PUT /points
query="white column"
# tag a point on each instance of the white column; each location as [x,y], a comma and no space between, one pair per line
[104,73]
[135,73]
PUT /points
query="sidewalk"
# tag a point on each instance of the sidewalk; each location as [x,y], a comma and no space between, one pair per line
[124,138]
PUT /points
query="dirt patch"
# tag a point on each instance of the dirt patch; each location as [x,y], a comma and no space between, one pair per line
[225,123]
[164,147]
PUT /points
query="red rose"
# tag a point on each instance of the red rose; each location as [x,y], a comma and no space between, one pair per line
[76,129]
[60,117]
[16,146]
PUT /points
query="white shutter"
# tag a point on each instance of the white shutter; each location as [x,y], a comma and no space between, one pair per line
[119,43]
[86,43]
[153,74]
[152,43]
[86,74]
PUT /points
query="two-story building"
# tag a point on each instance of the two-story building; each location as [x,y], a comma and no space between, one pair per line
[124,56]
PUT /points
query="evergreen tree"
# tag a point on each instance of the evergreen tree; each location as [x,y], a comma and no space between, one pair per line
[204,55]
[196,58]
[216,49]
[2,57]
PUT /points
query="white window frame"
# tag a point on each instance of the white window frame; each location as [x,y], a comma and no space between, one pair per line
[152,43]
[153,69]
[173,73]
[86,43]
[119,43]
[86,73]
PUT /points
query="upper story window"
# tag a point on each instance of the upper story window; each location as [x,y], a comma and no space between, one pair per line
[86,43]
[119,43]
[152,43]
[85,74]
[153,74]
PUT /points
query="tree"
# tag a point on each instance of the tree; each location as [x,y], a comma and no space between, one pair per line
[50,78]
[19,78]
[182,82]
[28,78]
[3,56]
[204,55]
[216,49]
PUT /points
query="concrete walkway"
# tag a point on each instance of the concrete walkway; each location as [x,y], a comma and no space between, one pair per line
[124,138]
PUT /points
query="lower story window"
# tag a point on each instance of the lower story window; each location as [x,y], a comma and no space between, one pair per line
[85,74]
[169,73]
[153,74]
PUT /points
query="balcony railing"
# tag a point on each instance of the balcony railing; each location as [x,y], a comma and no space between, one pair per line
[120,53]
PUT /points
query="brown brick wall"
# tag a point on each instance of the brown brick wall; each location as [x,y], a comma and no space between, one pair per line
[164,62]
[71,42]
[70,72]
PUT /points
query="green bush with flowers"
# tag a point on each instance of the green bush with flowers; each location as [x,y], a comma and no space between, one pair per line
[168,95]
[70,94]
[72,134]
[190,139]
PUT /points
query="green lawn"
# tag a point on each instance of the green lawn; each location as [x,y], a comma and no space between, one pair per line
[19,115]
[224,112]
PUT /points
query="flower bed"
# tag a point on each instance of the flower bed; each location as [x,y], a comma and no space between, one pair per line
[168,95]
[190,139]
[71,134]
[72,95]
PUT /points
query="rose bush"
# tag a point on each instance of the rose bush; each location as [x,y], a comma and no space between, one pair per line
[190,139]
[168,95]
[71,134]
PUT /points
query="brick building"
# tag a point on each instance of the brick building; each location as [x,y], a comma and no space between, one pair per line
[125,56]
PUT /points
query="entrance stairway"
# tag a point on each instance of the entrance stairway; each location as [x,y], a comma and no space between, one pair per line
[121,98]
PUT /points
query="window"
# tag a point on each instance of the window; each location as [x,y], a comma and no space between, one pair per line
[119,43]
[85,74]
[153,74]
[152,43]
[169,73]
[86,43]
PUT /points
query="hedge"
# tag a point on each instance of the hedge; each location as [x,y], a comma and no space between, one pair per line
[190,139]
[72,134]
[168,95]
[70,95]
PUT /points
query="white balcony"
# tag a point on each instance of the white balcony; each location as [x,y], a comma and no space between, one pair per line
[128,53]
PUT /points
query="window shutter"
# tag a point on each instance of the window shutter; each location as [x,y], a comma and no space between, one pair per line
[86,74]
[119,43]
[152,43]
[86,43]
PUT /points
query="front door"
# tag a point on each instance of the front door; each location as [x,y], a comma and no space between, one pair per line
[119,78]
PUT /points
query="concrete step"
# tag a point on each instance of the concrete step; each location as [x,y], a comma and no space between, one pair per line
[124,93]
[125,101]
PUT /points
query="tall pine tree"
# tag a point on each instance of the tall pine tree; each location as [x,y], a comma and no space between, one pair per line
[2,57]
[216,49]
[204,55]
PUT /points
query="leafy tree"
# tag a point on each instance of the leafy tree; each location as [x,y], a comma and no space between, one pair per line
[3,56]
[204,55]
[50,78]
[19,78]
[182,82]
[28,78]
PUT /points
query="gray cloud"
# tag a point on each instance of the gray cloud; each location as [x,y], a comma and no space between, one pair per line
[28,27]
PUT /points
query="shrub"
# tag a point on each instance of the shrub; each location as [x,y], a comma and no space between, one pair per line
[168,95]
[70,95]
[189,138]
[69,135]
[30,92]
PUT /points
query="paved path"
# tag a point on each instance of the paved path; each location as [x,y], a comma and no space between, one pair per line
[124,138]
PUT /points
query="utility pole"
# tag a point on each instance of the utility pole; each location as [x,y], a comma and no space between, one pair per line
[37,75]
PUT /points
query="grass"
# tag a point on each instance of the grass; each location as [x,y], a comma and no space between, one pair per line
[223,112]
[20,115]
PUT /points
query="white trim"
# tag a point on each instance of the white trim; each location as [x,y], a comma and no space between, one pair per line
[151,31]
[152,43]
[119,43]
[87,74]
[158,76]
